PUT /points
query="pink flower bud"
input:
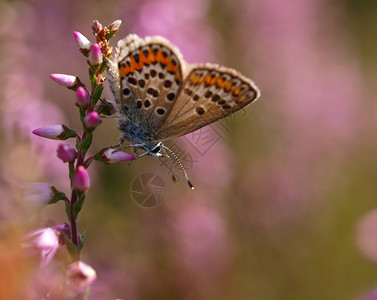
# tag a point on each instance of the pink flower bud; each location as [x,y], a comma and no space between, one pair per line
[82,41]
[66,153]
[38,193]
[114,27]
[63,228]
[95,56]
[81,180]
[52,132]
[115,156]
[92,120]
[45,242]
[82,97]
[79,276]
[68,81]
[96,26]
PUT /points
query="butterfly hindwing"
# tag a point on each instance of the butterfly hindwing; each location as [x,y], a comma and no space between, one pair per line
[150,74]
[208,93]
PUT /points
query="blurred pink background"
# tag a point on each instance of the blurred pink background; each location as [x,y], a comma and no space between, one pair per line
[286,195]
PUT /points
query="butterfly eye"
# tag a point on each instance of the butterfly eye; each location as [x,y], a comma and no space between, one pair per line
[156,150]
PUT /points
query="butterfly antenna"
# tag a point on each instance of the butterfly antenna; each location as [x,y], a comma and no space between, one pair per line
[181,165]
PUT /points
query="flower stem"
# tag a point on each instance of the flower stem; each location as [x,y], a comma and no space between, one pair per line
[73,222]
[74,197]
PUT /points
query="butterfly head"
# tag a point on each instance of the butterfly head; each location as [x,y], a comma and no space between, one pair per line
[155,150]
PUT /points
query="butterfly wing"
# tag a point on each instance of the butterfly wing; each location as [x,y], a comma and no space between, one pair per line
[208,93]
[150,74]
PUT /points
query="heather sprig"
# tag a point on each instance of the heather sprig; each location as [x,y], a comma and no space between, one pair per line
[77,158]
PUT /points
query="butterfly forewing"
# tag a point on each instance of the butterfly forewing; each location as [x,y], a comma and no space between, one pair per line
[150,76]
[208,93]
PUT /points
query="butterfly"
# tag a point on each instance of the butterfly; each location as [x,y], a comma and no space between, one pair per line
[159,96]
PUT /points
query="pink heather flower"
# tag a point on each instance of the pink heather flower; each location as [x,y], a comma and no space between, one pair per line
[372,295]
[79,276]
[365,235]
[115,156]
[64,231]
[68,81]
[114,27]
[52,132]
[92,120]
[82,97]
[45,242]
[95,56]
[81,180]
[38,193]
[82,41]
[66,153]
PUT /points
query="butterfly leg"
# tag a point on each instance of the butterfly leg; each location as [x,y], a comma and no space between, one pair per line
[140,155]
[115,146]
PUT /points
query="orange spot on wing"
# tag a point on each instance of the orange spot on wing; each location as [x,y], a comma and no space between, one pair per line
[143,59]
[122,72]
[228,86]
[153,57]
[172,67]
[146,60]
[125,70]
[178,76]
[194,79]
[236,92]
[159,55]
[208,79]
[220,83]
[164,60]
[134,64]
[213,80]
